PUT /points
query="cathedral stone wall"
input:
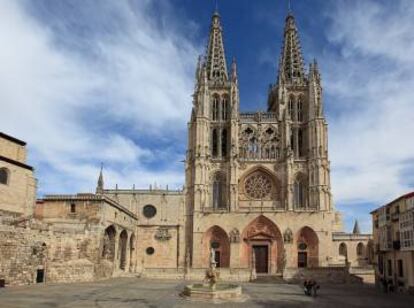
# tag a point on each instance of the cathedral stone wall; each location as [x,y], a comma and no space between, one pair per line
[12,148]
[17,182]
[161,233]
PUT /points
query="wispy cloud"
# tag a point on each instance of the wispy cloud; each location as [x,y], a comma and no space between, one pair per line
[369,85]
[84,86]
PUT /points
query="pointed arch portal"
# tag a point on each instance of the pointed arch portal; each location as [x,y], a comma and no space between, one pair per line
[262,246]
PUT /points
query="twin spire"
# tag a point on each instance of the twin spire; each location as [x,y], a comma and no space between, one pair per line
[291,64]
[216,65]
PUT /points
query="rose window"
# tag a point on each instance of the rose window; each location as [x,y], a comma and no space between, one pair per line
[258,186]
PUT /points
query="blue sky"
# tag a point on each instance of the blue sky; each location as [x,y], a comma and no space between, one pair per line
[89,81]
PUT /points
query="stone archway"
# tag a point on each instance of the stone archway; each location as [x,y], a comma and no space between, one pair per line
[215,237]
[263,239]
[343,250]
[360,252]
[307,245]
[108,247]
[123,240]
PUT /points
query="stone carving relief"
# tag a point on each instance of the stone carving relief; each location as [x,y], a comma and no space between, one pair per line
[234,236]
[260,229]
[288,236]
[162,234]
[258,143]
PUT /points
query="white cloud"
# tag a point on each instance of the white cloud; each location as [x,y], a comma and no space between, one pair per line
[370,84]
[76,109]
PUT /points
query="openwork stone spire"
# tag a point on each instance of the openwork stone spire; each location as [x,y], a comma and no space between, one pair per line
[215,58]
[291,65]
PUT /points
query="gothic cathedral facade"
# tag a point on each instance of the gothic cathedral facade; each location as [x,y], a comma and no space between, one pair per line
[258,184]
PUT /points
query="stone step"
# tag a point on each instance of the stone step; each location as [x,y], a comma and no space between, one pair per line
[274,279]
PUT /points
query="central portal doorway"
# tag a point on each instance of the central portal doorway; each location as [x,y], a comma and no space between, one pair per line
[261,253]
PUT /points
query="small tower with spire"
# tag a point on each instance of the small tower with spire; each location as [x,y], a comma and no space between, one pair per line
[356,229]
[100,184]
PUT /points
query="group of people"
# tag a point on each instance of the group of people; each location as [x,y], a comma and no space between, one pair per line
[310,287]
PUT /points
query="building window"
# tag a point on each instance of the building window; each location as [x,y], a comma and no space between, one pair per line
[73,208]
[389,267]
[150,251]
[224,109]
[400,268]
[300,110]
[216,109]
[219,182]
[224,143]
[291,108]
[299,191]
[301,151]
[4,176]
[215,143]
[149,211]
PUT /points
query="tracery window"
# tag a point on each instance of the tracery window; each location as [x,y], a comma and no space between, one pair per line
[218,190]
[300,193]
[291,108]
[4,176]
[300,110]
[215,143]
[216,108]
[258,186]
[224,108]
[224,143]
[300,142]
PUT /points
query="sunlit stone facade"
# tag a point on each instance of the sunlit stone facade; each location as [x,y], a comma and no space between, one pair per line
[257,190]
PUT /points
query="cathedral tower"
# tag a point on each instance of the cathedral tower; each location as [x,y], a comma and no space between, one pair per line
[257,183]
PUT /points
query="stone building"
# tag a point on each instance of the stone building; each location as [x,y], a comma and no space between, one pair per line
[257,191]
[258,183]
[17,182]
[393,226]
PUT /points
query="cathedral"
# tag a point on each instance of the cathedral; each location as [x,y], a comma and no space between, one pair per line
[257,191]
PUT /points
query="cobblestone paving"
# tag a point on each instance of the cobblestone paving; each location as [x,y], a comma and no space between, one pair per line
[133,292]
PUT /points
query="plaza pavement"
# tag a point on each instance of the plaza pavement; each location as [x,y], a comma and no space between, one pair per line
[135,292]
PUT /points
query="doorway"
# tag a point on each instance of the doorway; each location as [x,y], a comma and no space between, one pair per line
[40,276]
[302,259]
[261,254]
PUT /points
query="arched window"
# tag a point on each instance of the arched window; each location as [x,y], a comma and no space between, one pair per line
[224,108]
[300,193]
[291,108]
[219,182]
[300,109]
[215,143]
[300,142]
[216,108]
[224,142]
[292,141]
[4,176]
